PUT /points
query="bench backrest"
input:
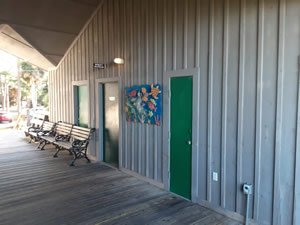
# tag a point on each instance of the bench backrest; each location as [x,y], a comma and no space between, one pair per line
[38,120]
[81,133]
[48,126]
[62,128]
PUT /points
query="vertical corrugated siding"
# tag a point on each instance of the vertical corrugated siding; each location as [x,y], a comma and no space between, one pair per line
[249,105]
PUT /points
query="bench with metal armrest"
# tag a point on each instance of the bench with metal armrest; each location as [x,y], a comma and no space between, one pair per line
[77,144]
[36,126]
[61,132]
[47,129]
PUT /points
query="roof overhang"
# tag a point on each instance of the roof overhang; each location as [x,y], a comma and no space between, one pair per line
[42,31]
[15,44]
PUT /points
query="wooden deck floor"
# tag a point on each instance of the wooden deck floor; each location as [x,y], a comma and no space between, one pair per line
[38,189]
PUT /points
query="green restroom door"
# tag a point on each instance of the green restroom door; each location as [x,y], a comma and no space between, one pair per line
[181,135]
[83,106]
[111,123]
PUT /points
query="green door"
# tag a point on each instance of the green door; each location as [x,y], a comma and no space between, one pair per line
[83,106]
[111,123]
[181,135]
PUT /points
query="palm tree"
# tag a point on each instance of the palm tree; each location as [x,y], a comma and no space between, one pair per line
[31,76]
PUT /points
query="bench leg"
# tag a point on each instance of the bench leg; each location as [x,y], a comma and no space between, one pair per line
[79,154]
[43,144]
[58,149]
[40,143]
[32,139]
[74,159]
[86,157]
[43,147]
[88,160]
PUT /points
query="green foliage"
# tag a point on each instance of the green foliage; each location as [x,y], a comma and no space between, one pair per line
[43,93]
[5,73]
[30,75]
[7,78]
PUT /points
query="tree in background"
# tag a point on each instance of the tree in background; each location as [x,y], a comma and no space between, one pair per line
[43,93]
[34,84]
[12,89]
[34,87]
[4,78]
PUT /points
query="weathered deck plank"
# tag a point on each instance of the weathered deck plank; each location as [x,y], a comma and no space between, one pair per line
[37,189]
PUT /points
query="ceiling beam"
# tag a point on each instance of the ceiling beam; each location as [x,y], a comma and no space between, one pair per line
[28,45]
[52,54]
[84,3]
[2,26]
[21,42]
[4,21]
[33,46]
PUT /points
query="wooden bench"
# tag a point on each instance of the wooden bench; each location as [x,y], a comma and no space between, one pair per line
[48,129]
[36,124]
[61,132]
[77,144]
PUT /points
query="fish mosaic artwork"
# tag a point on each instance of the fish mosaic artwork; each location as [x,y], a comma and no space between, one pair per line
[143,104]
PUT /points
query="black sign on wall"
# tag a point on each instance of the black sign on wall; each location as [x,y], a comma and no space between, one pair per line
[99,65]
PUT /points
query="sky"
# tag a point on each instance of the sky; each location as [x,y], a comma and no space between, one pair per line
[8,63]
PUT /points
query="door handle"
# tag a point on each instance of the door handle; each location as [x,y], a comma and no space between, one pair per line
[189,142]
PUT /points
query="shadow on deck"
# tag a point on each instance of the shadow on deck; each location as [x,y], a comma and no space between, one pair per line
[38,189]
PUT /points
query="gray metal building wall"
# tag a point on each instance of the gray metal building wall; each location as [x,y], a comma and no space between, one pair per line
[247,51]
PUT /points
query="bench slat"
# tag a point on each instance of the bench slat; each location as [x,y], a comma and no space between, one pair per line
[64,124]
[80,133]
[79,138]
[63,129]
[83,128]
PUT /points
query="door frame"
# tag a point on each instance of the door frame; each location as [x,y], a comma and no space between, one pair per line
[195,73]
[99,114]
[76,84]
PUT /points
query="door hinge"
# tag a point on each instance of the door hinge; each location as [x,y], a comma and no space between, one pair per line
[169,135]
[169,93]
